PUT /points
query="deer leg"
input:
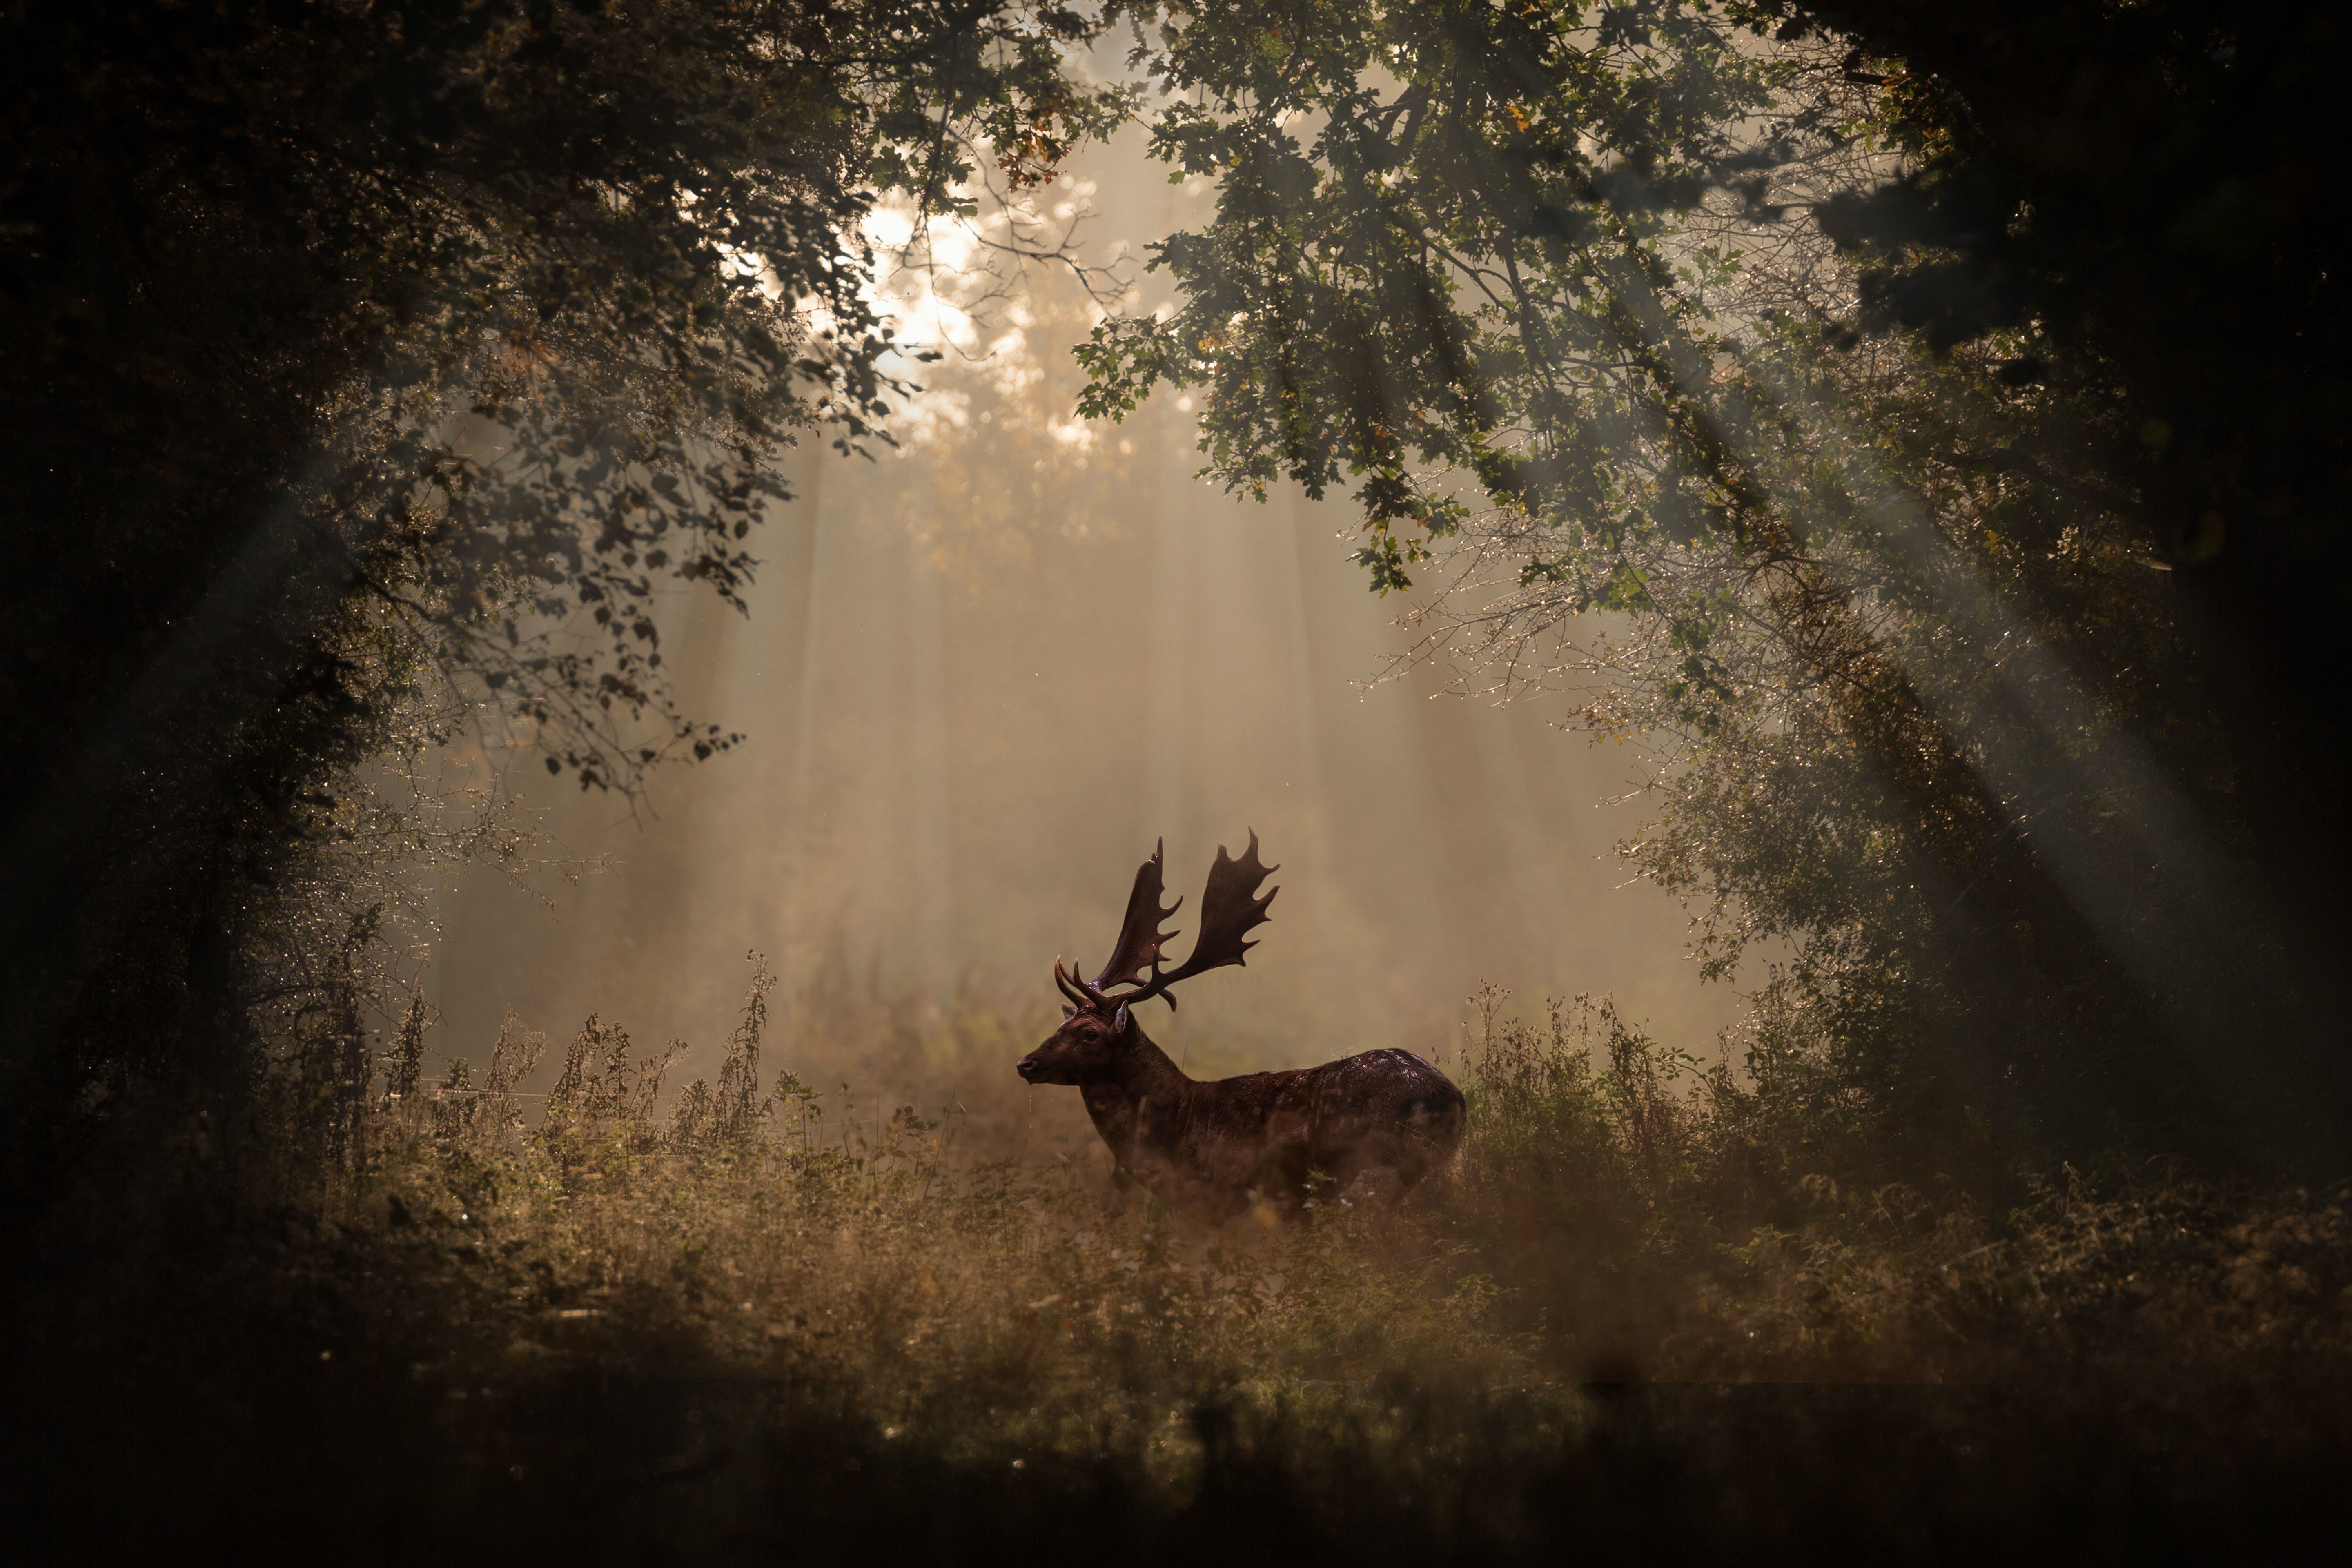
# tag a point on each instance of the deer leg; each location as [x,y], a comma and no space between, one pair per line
[1373,1182]
[1281,1180]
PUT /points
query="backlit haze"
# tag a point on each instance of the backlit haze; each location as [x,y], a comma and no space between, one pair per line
[984,674]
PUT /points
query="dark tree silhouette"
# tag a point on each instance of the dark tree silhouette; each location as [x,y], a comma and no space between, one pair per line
[351,352]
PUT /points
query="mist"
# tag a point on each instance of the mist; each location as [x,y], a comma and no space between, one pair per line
[954,763]
[984,674]
[581,676]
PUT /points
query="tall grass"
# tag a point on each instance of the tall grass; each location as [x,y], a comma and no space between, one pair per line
[1653,1308]
[1617,1214]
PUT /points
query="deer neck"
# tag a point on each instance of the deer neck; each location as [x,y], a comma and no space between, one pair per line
[1144,1071]
[1145,1090]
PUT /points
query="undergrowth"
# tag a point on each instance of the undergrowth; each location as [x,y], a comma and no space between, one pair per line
[732,1319]
[1618,1214]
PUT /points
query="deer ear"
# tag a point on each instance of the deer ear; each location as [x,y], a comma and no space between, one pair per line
[1068,1011]
[1120,1019]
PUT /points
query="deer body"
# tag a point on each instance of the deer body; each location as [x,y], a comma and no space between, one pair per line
[1213,1148]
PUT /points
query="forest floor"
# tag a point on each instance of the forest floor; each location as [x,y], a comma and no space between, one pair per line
[773,1328]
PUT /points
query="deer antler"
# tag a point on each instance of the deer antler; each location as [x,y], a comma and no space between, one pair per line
[1076,992]
[1230,909]
[1139,937]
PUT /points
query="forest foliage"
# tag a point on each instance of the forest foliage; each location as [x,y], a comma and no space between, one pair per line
[382,361]
[1802,410]
[1920,428]
[1922,432]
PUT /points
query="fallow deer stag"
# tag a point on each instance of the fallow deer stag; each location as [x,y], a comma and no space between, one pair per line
[1213,1148]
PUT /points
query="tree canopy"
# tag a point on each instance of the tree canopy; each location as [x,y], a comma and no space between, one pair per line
[363,357]
[1752,372]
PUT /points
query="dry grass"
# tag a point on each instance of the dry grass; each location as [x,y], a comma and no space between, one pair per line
[750,1320]
[1616,1215]
[975,1305]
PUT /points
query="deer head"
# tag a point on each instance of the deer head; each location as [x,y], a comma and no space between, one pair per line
[1085,1050]
[1098,1022]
